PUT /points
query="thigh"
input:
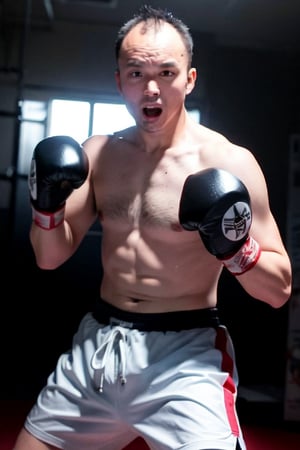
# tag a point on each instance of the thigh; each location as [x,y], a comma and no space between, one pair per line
[70,412]
[26,441]
[190,397]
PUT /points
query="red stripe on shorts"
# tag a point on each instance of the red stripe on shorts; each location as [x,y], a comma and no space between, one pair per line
[229,387]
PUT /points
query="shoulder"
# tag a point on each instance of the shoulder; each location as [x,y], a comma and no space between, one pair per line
[96,143]
[216,150]
[242,163]
[96,146]
[107,152]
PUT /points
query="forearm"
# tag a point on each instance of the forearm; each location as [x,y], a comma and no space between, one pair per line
[59,166]
[52,247]
[269,280]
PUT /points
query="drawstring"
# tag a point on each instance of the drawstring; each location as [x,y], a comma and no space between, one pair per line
[99,363]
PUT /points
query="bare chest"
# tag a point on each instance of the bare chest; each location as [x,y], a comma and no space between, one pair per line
[142,196]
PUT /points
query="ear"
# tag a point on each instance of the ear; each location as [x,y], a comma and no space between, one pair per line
[191,80]
[118,80]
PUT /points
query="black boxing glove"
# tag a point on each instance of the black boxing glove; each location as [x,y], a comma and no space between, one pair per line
[59,165]
[217,204]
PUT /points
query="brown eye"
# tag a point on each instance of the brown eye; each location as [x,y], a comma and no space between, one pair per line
[167,73]
[136,74]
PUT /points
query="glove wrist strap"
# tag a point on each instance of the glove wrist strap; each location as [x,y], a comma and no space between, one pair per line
[48,220]
[244,259]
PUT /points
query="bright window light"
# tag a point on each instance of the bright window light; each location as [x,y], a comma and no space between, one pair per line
[195,114]
[78,119]
[109,118]
[69,117]
[34,110]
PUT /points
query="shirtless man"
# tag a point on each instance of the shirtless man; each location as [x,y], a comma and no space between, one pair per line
[153,359]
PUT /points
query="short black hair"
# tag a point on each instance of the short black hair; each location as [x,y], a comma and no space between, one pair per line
[147,13]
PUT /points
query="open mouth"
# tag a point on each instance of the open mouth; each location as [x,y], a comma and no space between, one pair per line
[152,112]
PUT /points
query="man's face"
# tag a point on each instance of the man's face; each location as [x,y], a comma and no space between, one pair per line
[153,75]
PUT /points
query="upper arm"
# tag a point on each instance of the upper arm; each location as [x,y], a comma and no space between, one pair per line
[264,228]
[81,210]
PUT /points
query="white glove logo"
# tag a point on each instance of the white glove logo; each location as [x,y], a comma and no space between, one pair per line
[32,180]
[236,221]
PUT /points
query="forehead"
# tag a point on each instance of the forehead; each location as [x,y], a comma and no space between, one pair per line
[152,40]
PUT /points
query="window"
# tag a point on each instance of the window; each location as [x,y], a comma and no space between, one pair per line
[69,117]
[109,118]
[78,119]
[34,116]
[82,119]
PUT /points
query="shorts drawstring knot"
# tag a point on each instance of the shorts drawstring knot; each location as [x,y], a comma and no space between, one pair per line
[116,334]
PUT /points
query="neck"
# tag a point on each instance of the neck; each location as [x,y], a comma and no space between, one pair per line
[169,136]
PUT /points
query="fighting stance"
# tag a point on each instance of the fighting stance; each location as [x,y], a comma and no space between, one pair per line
[178,203]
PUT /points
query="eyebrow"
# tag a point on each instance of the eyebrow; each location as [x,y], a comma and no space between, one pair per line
[138,63]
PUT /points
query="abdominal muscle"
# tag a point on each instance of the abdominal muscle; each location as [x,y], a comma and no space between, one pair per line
[157,271]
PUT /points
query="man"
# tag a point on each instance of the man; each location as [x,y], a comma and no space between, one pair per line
[178,203]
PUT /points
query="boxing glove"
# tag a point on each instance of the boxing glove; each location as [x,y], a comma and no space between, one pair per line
[217,204]
[59,165]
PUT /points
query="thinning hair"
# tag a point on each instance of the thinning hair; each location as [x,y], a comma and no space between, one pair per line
[156,16]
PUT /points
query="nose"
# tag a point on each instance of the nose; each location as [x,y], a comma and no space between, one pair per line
[152,89]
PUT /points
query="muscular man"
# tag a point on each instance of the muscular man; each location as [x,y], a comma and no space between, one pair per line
[178,203]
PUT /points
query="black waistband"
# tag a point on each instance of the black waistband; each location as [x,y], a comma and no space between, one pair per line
[107,314]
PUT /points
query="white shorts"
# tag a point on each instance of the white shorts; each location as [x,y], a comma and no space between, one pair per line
[175,389]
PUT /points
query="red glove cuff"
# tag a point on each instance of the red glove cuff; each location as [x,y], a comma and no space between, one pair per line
[48,220]
[244,259]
